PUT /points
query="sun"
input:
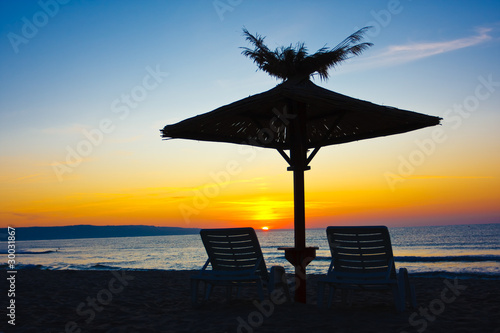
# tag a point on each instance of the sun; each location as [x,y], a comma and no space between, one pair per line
[265,228]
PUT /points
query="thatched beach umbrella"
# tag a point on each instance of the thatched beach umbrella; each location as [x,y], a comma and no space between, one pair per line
[298,116]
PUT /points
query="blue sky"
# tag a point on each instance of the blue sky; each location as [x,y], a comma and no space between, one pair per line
[65,67]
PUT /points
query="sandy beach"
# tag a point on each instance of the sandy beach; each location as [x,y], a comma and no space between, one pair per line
[159,301]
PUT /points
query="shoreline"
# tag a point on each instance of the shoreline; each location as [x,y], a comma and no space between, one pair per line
[103,268]
[159,301]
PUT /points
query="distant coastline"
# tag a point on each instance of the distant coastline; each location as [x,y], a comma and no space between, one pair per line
[94,231]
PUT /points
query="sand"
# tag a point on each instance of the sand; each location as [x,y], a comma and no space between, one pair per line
[159,301]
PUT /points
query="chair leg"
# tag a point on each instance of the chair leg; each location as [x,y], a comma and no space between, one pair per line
[208,290]
[277,278]
[260,290]
[273,280]
[409,288]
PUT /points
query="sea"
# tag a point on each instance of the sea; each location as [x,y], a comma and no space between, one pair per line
[464,251]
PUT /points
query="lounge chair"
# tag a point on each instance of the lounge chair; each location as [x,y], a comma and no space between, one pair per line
[236,259]
[362,259]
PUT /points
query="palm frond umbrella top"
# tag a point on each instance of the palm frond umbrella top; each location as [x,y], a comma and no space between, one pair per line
[293,63]
[297,116]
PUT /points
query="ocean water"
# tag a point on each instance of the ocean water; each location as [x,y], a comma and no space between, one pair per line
[463,250]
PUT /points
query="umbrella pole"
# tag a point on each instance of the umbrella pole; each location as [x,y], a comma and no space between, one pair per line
[300,235]
[298,156]
[300,255]
[299,208]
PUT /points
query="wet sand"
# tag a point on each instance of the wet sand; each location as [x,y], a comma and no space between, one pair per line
[159,301]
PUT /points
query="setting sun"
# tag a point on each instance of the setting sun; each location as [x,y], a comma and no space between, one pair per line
[265,228]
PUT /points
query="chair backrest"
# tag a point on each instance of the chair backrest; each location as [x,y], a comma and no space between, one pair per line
[361,251]
[234,249]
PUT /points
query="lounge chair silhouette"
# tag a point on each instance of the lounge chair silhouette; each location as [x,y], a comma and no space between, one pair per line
[362,259]
[236,259]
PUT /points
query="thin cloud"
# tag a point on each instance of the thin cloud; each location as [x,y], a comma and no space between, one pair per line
[414,51]
[450,177]
[72,163]
[253,203]
[194,189]
[399,54]
[69,129]
[128,139]
[33,178]
[28,216]
[27,177]
[223,184]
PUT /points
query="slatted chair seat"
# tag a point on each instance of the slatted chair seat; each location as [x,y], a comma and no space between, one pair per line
[362,259]
[236,260]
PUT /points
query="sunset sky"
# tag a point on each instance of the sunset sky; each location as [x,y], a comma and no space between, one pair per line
[86,85]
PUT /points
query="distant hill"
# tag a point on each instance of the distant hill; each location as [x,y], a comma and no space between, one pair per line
[94,231]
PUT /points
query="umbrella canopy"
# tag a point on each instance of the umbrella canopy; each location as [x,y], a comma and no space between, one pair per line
[297,116]
[330,118]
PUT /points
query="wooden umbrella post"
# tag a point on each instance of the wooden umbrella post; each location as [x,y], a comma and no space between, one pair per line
[299,255]
[298,158]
